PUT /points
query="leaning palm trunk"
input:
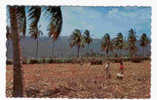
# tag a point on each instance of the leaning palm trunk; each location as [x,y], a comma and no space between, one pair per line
[53,45]
[37,49]
[107,53]
[143,52]
[88,50]
[17,67]
[7,45]
[78,51]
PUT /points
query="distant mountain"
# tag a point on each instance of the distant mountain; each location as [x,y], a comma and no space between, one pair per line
[61,48]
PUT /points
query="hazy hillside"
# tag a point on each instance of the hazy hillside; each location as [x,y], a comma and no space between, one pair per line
[61,48]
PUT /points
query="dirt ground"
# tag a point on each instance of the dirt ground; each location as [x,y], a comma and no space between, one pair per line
[83,81]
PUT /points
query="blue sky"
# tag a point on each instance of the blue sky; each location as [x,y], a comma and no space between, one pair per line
[101,20]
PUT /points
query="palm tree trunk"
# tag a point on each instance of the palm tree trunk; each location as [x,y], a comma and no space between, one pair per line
[78,51]
[88,51]
[17,67]
[7,45]
[53,45]
[143,52]
[37,49]
[106,53]
[52,49]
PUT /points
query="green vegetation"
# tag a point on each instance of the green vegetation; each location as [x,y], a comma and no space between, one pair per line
[91,60]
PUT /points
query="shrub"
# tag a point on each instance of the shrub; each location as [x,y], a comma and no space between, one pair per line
[33,61]
[59,61]
[9,62]
[40,60]
[44,60]
[137,59]
[68,60]
[65,60]
[49,60]
[116,60]
[96,62]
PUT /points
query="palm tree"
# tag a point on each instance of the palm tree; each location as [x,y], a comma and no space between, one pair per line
[17,14]
[144,42]
[119,42]
[87,38]
[106,43]
[34,14]
[132,42]
[55,23]
[17,75]
[77,40]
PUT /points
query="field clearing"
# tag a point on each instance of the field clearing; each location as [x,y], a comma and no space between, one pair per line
[83,81]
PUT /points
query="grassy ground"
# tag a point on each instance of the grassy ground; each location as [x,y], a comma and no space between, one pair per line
[83,81]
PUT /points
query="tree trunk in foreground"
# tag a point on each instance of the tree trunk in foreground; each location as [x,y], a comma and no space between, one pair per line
[17,67]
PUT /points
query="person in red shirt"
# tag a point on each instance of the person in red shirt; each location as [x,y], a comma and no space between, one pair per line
[121,67]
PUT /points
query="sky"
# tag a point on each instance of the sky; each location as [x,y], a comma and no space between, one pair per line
[101,20]
[112,20]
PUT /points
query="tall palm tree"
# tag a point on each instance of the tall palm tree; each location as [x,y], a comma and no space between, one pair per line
[55,23]
[15,17]
[132,42]
[77,40]
[106,43]
[87,38]
[34,14]
[17,14]
[144,42]
[119,42]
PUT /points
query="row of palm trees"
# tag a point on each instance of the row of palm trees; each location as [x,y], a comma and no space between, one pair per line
[109,45]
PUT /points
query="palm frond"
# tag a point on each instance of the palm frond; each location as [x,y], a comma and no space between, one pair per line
[56,21]
[34,15]
[77,39]
[87,37]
